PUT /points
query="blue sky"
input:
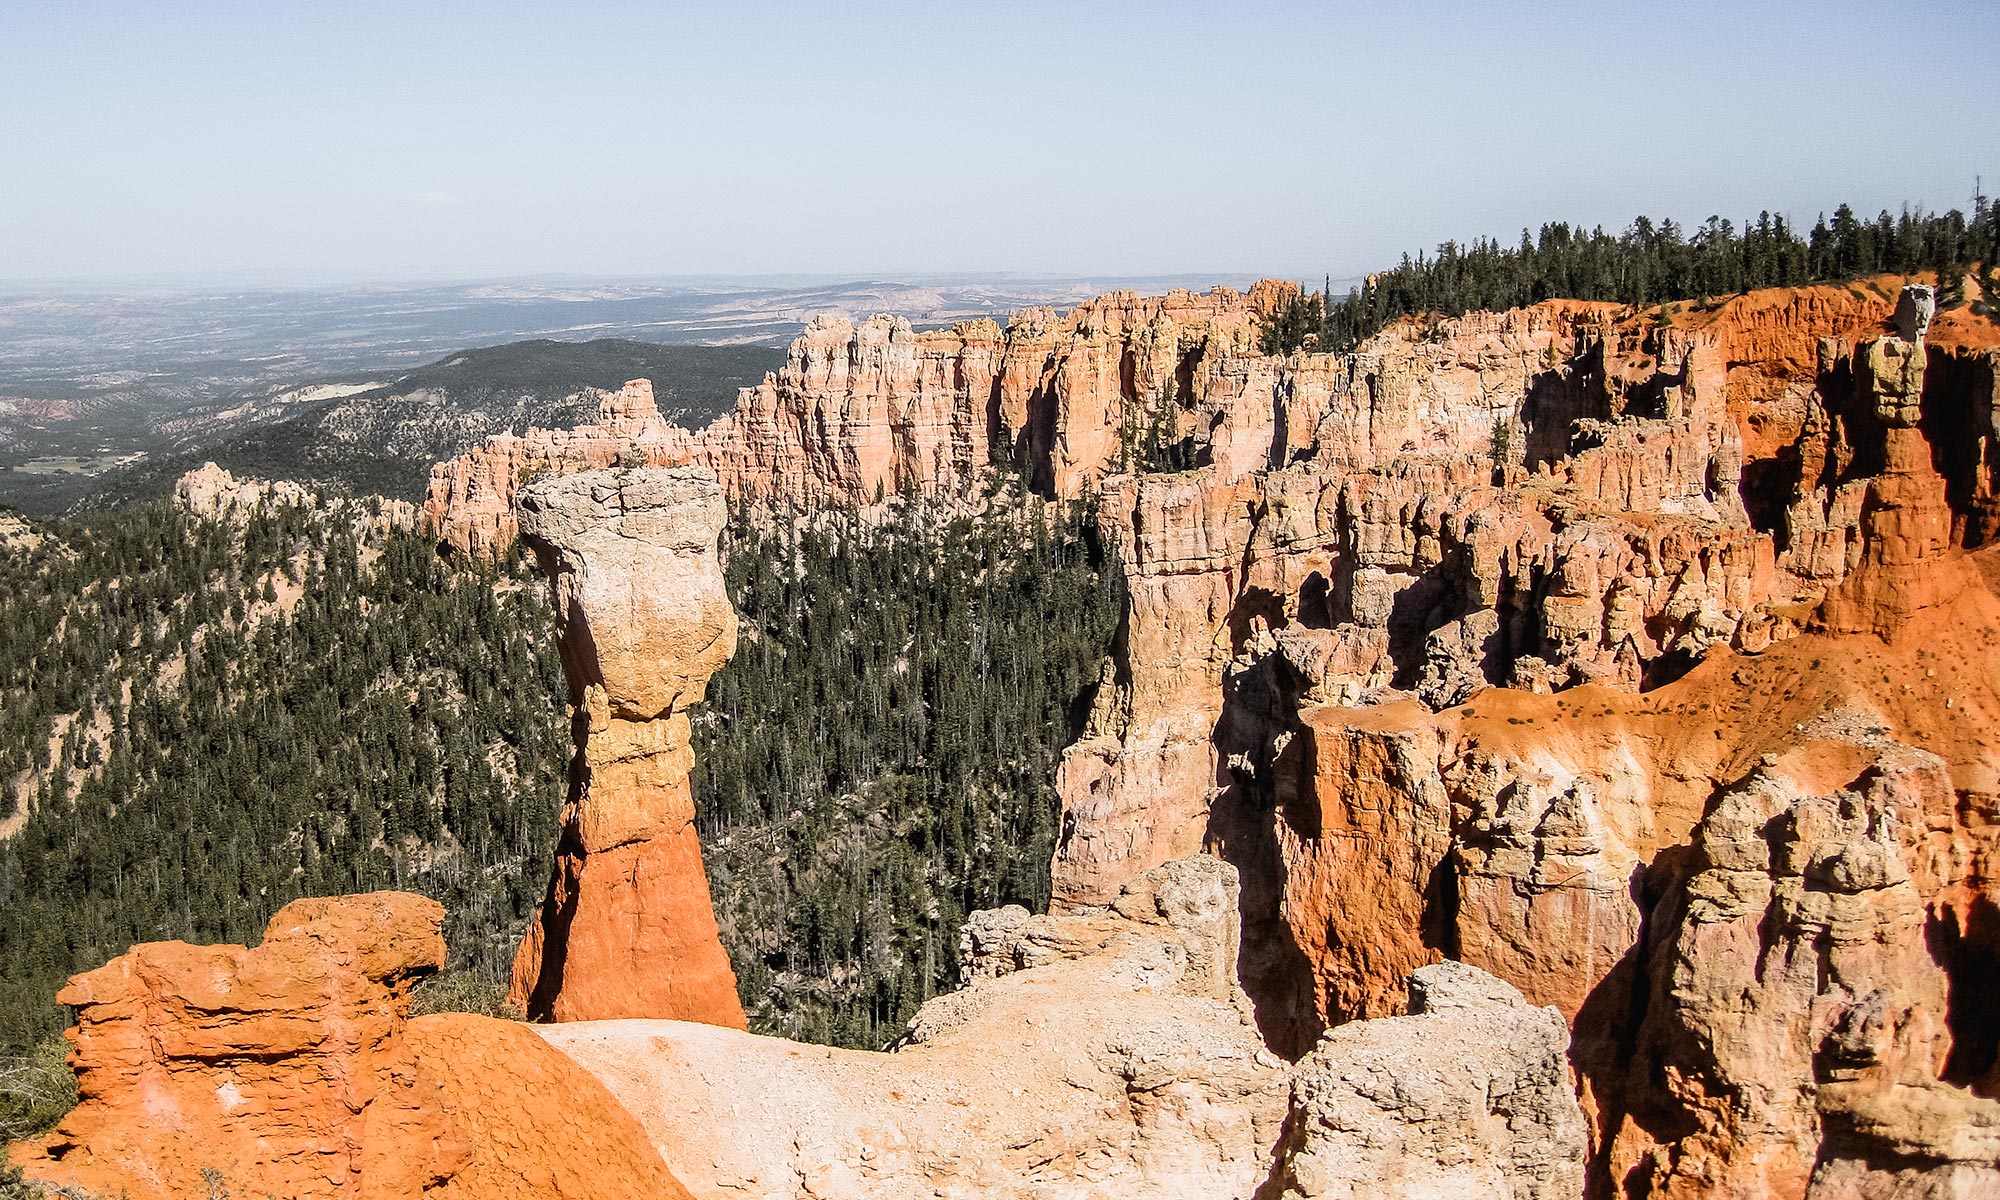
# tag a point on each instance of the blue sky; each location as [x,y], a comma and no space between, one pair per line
[412,140]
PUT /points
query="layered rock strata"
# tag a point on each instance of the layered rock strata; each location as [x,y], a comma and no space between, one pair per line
[1633,657]
[642,621]
[292,1069]
[879,409]
[860,414]
[1733,820]
[1540,499]
[1410,547]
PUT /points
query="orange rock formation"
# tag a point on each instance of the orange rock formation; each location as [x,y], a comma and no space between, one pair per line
[628,929]
[292,1070]
[1745,845]
[1634,657]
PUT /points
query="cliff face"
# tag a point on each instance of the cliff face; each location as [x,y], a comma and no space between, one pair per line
[862,413]
[627,929]
[1554,496]
[1430,535]
[293,1070]
[1628,664]
[1703,647]
[471,499]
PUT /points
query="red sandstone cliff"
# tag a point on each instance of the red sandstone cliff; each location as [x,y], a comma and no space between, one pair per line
[1306,685]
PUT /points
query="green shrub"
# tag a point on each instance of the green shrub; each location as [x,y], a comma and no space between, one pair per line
[462,992]
[36,1090]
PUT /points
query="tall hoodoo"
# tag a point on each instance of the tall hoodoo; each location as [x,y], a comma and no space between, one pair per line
[627,928]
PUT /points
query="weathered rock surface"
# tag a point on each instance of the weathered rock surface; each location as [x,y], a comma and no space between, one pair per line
[291,1070]
[213,494]
[1468,1096]
[470,503]
[1109,1052]
[1635,658]
[1789,1020]
[1597,519]
[628,928]
[859,414]
[1409,548]
[1118,1064]
[1103,1053]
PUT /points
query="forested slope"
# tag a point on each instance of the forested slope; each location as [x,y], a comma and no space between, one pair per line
[1650,262]
[202,721]
[879,759]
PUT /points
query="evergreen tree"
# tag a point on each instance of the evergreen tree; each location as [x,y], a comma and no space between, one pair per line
[1648,264]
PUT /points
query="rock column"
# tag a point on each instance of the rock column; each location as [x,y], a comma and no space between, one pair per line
[628,927]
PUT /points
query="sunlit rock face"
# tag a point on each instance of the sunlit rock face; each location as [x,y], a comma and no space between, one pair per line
[627,928]
[1682,733]
[860,414]
[293,1069]
[1644,663]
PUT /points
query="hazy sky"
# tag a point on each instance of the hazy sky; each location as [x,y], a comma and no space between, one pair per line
[383,141]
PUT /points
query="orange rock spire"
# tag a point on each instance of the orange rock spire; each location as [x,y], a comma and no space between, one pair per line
[628,928]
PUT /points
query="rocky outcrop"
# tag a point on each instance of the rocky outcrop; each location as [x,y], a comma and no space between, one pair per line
[293,1070]
[1662,535]
[470,503]
[1109,1052]
[1073,390]
[861,413]
[1116,1063]
[627,928]
[1409,545]
[1554,496]
[1733,821]
[1467,1096]
[1102,1053]
[1634,658]
[210,493]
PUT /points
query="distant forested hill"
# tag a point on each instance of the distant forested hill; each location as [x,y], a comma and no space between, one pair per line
[384,440]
